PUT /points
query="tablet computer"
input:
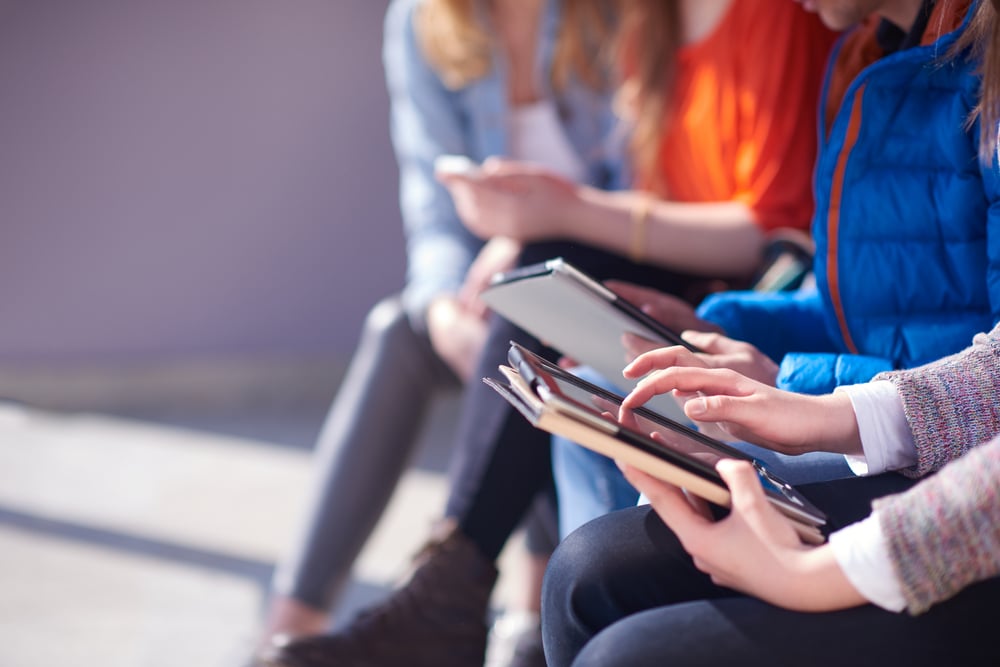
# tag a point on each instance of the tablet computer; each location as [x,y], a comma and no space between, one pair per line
[571,312]
[563,404]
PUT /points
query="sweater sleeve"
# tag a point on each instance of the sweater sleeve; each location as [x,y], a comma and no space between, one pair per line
[944,533]
[950,404]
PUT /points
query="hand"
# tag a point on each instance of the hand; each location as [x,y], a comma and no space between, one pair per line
[717,352]
[567,363]
[754,549]
[669,310]
[514,199]
[497,255]
[457,335]
[753,411]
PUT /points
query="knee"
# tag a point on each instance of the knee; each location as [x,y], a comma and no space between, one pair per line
[574,604]
[387,320]
[577,569]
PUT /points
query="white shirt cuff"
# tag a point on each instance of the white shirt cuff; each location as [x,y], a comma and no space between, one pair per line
[862,553]
[886,438]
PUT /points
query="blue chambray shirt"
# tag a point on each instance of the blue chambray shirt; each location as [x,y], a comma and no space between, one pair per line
[428,120]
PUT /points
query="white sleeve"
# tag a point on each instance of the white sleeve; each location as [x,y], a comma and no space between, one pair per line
[885,434]
[862,553]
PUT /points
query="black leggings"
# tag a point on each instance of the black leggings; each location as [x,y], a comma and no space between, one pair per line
[622,591]
[500,462]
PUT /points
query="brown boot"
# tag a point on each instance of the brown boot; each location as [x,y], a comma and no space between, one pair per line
[436,619]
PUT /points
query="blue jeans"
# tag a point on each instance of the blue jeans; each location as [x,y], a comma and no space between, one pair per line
[590,485]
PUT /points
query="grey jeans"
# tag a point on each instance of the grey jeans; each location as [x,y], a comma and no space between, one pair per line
[365,445]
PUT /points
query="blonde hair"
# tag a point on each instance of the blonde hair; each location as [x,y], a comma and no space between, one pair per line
[646,49]
[460,48]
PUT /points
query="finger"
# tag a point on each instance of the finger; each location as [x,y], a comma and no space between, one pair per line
[636,294]
[698,504]
[717,430]
[670,504]
[704,566]
[567,363]
[495,165]
[448,178]
[732,410]
[710,341]
[659,358]
[636,345]
[627,418]
[476,306]
[748,499]
[710,381]
[704,340]
[752,506]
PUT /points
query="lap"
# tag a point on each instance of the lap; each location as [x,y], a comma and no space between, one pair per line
[745,631]
[629,564]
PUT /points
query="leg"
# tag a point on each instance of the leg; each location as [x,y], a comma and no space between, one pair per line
[628,562]
[589,485]
[541,534]
[804,469]
[515,638]
[747,632]
[500,460]
[361,454]
[500,464]
[615,566]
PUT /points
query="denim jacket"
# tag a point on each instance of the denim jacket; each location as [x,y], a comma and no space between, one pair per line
[428,119]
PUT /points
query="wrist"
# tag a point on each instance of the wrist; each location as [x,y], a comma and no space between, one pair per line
[819,584]
[638,224]
[837,425]
[569,216]
[595,212]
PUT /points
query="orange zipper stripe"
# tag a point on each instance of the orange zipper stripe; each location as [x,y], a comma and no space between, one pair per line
[833,217]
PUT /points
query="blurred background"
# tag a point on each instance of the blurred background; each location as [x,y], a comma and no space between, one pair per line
[197,208]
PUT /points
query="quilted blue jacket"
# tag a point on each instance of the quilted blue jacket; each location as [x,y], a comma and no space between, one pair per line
[429,119]
[907,228]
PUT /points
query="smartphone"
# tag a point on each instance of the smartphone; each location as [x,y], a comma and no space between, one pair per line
[455,164]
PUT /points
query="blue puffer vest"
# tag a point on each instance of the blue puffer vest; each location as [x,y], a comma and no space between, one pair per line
[907,270]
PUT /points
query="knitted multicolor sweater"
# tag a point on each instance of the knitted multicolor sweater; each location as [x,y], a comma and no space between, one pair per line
[944,533]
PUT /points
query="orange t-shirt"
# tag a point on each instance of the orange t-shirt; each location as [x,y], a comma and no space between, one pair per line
[743,121]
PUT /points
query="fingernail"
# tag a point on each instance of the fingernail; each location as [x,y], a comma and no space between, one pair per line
[695,407]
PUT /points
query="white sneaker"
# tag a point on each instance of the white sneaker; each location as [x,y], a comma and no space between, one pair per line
[515,640]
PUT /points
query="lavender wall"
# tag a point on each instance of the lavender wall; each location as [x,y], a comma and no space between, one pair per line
[191,178]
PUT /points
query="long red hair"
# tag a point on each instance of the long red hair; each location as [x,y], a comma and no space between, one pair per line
[648,40]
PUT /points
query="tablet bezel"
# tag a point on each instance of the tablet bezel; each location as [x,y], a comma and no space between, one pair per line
[542,376]
[560,266]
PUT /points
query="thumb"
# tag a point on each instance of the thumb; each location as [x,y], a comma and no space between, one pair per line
[716,409]
[708,341]
[747,494]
